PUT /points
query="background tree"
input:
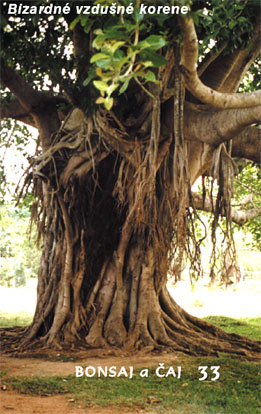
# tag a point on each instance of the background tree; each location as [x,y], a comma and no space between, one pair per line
[19,255]
[126,125]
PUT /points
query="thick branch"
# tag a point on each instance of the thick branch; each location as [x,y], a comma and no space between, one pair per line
[216,127]
[40,106]
[226,71]
[248,144]
[238,217]
[26,95]
[202,92]
[15,111]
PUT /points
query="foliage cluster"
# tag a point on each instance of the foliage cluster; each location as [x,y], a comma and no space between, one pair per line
[19,255]
[16,137]
[121,52]
[121,48]
[126,51]
[248,189]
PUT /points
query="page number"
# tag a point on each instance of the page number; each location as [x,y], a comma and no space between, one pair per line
[204,371]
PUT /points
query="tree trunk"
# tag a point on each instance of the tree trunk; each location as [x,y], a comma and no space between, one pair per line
[113,189]
[102,283]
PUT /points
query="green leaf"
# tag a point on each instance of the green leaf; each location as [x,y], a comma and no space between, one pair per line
[114,34]
[101,85]
[104,63]
[88,26]
[112,88]
[146,64]
[160,18]
[156,60]
[119,55]
[108,102]
[84,19]
[91,75]
[155,42]
[97,42]
[141,45]
[149,76]
[100,100]
[116,46]
[124,86]
[232,24]
[138,17]
[119,59]
[74,22]
[98,32]
[98,56]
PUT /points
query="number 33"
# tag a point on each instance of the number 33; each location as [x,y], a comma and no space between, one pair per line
[214,369]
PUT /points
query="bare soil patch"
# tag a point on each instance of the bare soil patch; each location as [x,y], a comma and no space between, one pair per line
[14,403]
[50,366]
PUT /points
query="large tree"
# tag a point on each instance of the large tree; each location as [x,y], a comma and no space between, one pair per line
[131,108]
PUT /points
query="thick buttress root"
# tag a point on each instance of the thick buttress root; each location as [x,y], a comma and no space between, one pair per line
[113,295]
[131,314]
[154,321]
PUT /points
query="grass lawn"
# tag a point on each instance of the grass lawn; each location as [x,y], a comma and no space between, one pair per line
[250,327]
[236,391]
[14,319]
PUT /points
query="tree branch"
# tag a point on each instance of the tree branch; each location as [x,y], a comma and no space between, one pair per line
[40,106]
[15,111]
[202,92]
[224,72]
[214,127]
[248,144]
[238,217]
[28,97]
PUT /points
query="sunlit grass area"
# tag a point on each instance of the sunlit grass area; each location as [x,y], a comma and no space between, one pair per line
[250,327]
[15,319]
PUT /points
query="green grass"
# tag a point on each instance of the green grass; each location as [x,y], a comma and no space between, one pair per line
[235,392]
[250,327]
[14,319]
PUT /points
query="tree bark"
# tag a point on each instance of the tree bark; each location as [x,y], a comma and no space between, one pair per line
[102,283]
[113,194]
[248,144]
[197,88]
[225,72]
[239,217]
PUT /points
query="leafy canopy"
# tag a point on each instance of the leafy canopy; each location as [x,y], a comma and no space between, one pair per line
[123,47]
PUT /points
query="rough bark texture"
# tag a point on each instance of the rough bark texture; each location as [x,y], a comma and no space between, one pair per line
[112,200]
[102,280]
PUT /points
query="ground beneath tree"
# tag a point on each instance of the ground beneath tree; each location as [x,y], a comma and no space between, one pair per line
[12,402]
[241,301]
